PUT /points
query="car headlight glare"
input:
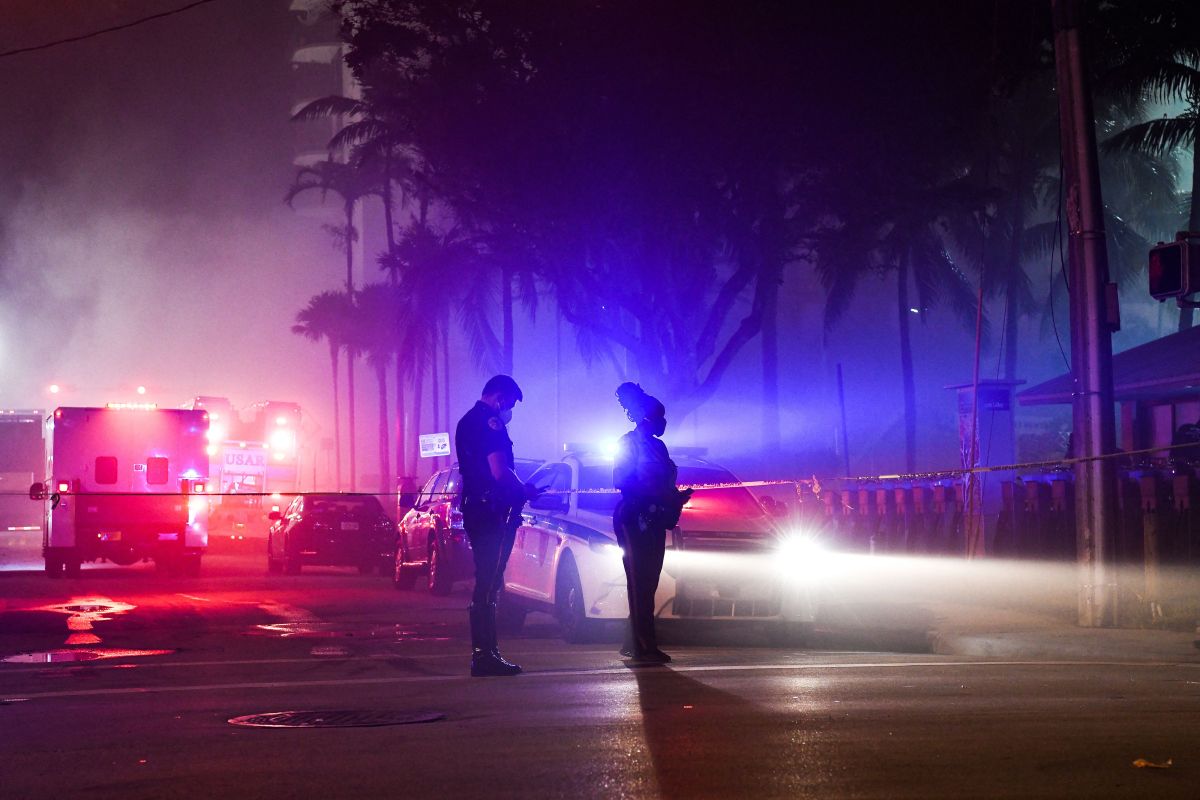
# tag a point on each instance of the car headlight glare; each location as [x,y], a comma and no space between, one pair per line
[799,550]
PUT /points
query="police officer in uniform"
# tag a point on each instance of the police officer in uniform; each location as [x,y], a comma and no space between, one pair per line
[650,505]
[492,499]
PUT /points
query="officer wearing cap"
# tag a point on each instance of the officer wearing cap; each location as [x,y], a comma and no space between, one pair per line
[492,499]
[650,505]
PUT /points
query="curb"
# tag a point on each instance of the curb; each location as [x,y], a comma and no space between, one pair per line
[1116,646]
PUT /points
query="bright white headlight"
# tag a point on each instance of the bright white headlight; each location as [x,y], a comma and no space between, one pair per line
[799,551]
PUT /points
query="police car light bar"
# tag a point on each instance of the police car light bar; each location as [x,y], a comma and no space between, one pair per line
[131,406]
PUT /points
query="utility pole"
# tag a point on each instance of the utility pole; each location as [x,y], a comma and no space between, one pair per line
[1094,315]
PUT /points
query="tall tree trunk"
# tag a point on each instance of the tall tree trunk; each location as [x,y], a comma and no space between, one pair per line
[351,356]
[334,347]
[1012,309]
[418,379]
[385,472]
[772,250]
[446,373]
[906,366]
[1185,314]
[387,206]
[435,385]
[506,299]
[401,437]
[770,364]
[350,250]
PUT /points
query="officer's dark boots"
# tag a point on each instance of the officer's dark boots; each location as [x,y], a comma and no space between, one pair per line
[485,658]
[495,650]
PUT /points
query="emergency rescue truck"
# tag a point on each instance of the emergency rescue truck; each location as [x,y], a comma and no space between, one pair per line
[22,457]
[124,483]
[252,456]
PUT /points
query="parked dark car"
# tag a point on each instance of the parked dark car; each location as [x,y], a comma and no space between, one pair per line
[331,529]
[432,541]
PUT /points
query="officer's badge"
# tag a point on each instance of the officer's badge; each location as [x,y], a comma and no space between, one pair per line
[494,423]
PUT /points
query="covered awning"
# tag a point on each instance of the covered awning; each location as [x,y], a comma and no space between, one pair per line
[1163,369]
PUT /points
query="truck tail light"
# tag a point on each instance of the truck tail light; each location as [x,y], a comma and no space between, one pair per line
[64,486]
[199,487]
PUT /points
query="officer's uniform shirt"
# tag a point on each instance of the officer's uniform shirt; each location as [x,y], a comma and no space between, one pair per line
[480,433]
[643,468]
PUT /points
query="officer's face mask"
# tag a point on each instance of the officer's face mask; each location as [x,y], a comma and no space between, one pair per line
[505,415]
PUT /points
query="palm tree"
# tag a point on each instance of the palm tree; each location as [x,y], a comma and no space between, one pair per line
[420,262]
[1019,148]
[377,136]
[327,316]
[376,326]
[351,184]
[903,231]
[1158,62]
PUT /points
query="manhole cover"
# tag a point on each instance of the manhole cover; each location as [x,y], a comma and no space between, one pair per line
[335,719]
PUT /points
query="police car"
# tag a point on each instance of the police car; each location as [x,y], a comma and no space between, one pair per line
[728,559]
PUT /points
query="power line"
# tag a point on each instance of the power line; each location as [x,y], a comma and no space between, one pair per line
[101,32]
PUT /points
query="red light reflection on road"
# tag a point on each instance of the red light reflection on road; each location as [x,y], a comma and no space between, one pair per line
[83,613]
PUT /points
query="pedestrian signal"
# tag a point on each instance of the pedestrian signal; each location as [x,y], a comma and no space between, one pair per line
[1174,269]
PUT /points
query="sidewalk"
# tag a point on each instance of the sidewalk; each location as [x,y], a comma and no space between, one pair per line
[1007,634]
[982,632]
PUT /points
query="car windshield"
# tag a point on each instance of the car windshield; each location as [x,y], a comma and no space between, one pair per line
[597,477]
[734,500]
[341,504]
[525,468]
[692,476]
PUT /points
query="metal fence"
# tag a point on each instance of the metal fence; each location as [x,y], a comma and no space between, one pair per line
[1159,516]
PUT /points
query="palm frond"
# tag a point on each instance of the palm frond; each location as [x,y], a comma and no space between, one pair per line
[473,314]
[1160,80]
[364,131]
[1157,136]
[1042,240]
[1127,250]
[330,106]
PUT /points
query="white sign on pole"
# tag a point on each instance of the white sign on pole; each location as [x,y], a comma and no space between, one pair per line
[434,444]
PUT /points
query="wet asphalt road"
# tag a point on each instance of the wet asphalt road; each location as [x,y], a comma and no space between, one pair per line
[730,718]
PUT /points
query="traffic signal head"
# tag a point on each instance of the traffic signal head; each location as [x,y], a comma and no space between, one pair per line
[1171,270]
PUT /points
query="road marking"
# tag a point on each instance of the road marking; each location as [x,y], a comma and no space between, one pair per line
[260,661]
[576,673]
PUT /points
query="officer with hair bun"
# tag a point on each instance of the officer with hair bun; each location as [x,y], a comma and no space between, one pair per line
[650,505]
[492,498]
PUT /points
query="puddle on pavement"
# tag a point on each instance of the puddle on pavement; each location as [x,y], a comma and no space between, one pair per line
[79,654]
[338,630]
[82,614]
